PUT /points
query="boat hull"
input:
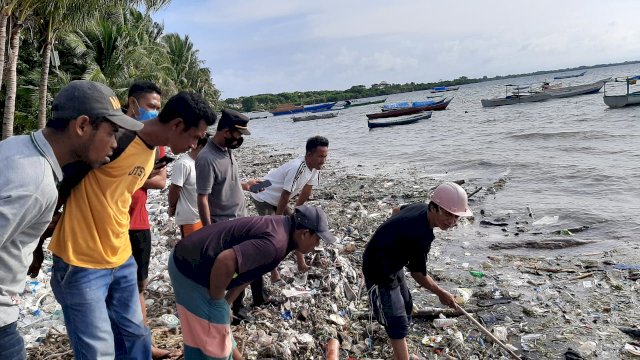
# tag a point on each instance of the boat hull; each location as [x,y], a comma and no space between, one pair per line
[546,94]
[410,111]
[368,103]
[516,99]
[618,101]
[314,117]
[401,121]
[575,90]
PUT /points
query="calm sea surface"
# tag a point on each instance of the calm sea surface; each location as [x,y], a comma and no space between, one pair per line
[573,158]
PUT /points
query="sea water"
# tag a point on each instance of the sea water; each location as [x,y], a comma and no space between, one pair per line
[573,158]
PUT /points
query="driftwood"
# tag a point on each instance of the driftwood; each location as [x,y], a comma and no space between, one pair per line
[427,312]
[540,244]
[553,270]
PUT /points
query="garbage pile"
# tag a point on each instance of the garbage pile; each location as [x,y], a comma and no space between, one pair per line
[545,306]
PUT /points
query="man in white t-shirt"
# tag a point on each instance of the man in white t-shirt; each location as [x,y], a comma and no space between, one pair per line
[183,197]
[296,177]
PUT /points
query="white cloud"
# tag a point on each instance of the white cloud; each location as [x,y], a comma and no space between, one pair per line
[259,46]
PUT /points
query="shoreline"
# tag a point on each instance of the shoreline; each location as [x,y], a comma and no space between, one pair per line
[543,302]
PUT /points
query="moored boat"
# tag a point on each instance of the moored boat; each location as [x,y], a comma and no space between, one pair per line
[398,121]
[546,93]
[319,107]
[441,105]
[569,75]
[354,104]
[314,117]
[286,109]
[630,98]
[438,89]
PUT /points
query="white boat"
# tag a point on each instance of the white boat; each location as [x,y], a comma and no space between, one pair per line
[516,97]
[630,98]
[567,91]
[545,93]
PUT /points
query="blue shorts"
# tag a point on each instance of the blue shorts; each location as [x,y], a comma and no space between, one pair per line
[392,307]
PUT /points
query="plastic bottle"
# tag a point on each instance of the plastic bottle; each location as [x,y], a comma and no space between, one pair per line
[443,323]
[476,273]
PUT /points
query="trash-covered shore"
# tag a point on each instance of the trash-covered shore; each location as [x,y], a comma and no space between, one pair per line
[543,302]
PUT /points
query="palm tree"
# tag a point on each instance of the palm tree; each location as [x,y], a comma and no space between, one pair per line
[56,17]
[21,10]
[185,69]
[62,16]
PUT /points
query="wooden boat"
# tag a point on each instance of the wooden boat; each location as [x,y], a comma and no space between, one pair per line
[286,109]
[409,104]
[568,91]
[630,98]
[569,76]
[441,105]
[438,89]
[319,107]
[398,121]
[314,117]
[517,97]
[353,104]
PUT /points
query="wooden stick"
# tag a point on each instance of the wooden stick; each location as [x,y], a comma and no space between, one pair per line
[488,333]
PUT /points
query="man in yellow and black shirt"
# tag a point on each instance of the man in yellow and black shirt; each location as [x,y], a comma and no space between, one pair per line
[94,273]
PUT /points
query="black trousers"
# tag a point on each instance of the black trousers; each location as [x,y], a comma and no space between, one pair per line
[257,291]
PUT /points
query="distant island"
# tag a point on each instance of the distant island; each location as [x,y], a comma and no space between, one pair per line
[264,102]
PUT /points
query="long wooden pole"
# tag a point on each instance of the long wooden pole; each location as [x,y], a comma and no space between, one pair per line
[488,333]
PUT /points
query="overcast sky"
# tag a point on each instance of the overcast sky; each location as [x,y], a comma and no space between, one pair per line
[271,46]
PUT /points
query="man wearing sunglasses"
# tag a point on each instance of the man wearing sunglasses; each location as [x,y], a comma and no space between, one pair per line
[405,240]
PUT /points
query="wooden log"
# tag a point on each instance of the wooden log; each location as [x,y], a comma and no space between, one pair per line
[428,312]
[540,244]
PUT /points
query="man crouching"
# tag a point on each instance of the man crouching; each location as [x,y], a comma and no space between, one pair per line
[213,265]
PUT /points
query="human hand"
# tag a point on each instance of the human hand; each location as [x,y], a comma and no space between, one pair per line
[172,211]
[446,298]
[36,263]
[303,267]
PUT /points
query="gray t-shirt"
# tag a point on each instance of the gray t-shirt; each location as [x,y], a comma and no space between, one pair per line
[217,176]
[28,195]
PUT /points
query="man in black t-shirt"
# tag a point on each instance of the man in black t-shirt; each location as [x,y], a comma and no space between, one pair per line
[405,240]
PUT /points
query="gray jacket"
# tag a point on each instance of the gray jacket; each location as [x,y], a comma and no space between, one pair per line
[29,174]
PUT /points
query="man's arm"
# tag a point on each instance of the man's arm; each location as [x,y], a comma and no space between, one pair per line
[174,195]
[304,194]
[233,293]
[302,265]
[427,282]
[222,273]
[283,202]
[203,209]
[157,179]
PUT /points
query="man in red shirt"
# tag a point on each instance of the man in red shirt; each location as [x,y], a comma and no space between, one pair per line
[144,104]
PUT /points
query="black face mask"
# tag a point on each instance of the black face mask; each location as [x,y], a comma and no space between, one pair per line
[233,143]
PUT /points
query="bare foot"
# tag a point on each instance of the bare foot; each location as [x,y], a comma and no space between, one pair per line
[275,276]
[157,353]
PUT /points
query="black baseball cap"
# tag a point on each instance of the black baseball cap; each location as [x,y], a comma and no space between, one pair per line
[93,99]
[231,119]
[314,218]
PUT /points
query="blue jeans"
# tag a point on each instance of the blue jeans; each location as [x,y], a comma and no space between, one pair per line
[101,311]
[11,343]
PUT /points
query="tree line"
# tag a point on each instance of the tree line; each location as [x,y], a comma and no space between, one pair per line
[48,43]
[265,102]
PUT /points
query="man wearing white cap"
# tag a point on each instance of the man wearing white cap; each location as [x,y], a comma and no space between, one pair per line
[405,240]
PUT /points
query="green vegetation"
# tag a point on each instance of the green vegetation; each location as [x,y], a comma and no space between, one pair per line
[110,41]
[265,102]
